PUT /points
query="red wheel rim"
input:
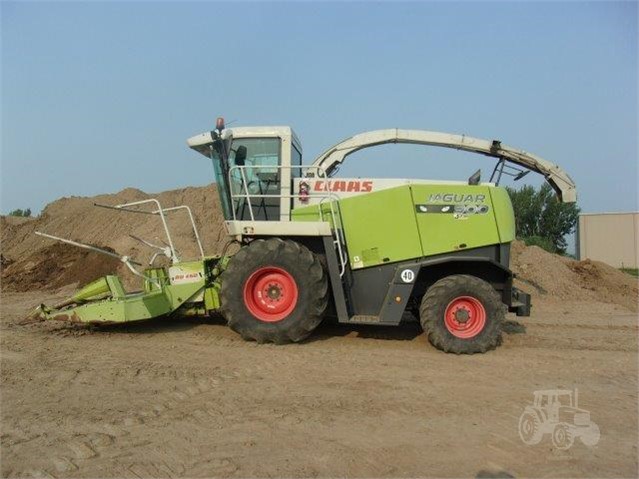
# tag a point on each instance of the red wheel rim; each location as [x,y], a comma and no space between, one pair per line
[465,317]
[270,294]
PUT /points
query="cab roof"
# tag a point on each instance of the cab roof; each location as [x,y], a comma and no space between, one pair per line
[201,142]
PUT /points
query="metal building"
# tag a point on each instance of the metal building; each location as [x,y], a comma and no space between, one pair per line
[609,237]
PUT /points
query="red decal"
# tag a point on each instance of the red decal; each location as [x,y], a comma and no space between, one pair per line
[340,185]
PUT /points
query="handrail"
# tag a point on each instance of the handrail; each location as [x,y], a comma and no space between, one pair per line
[125,207]
[162,213]
[245,194]
[338,231]
[195,231]
[326,194]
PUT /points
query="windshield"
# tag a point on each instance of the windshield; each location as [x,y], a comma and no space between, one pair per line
[220,180]
[253,170]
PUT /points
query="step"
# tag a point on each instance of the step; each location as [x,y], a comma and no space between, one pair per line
[363,319]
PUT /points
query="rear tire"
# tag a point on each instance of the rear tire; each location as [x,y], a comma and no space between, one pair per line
[462,314]
[274,291]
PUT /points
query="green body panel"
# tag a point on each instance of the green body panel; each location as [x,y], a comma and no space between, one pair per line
[190,266]
[379,227]
[115,287]
[120,307]
[504,214]
[417,220]
[160,277]
[318,212]
[454,217]
[214,266]
[95,288]
[194,291]
[212,298]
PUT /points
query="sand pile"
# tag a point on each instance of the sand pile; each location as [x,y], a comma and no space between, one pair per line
[78,219]
[554,277]
[57,265]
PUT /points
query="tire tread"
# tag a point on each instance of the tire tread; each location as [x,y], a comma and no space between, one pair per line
[435,301]
[312,285]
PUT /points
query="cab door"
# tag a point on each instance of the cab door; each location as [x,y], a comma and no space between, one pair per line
[255,178]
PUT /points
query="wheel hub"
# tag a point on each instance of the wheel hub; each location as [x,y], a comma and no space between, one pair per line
[462,315]
[270,294]
[274,292]
[465,317]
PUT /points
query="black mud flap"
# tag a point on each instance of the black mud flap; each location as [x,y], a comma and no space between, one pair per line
[519,303]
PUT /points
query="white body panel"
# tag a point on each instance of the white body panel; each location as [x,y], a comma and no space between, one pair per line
[180,275]
[561,182]
[348,187]
[276,228]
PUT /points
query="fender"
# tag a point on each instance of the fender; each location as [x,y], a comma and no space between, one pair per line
[409,274]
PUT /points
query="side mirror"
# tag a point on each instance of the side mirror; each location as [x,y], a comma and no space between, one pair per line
[240,155]
[475,178]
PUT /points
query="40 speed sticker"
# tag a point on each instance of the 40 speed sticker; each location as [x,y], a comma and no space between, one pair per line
[407,276]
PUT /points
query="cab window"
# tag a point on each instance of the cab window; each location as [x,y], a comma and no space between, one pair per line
[254,169]
[296,160]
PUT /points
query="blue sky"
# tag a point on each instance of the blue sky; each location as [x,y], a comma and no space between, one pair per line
[97,97]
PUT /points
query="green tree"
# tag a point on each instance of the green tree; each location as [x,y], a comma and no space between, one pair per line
[541,218]
[19,212]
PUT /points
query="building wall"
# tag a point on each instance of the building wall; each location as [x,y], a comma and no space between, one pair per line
[609,237]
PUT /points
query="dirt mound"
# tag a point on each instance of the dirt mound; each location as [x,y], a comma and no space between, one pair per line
[77,218]
[57,265]
[554,277]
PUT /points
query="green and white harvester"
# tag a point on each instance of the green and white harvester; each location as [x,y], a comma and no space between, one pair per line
[312,245]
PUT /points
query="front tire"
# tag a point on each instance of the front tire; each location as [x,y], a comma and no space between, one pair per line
[562,437]
[274,291]
[462,314]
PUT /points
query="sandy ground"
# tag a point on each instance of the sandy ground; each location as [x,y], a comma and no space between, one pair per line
[189,398]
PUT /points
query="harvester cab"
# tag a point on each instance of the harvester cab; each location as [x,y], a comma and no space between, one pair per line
[254,168]
[364,250]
